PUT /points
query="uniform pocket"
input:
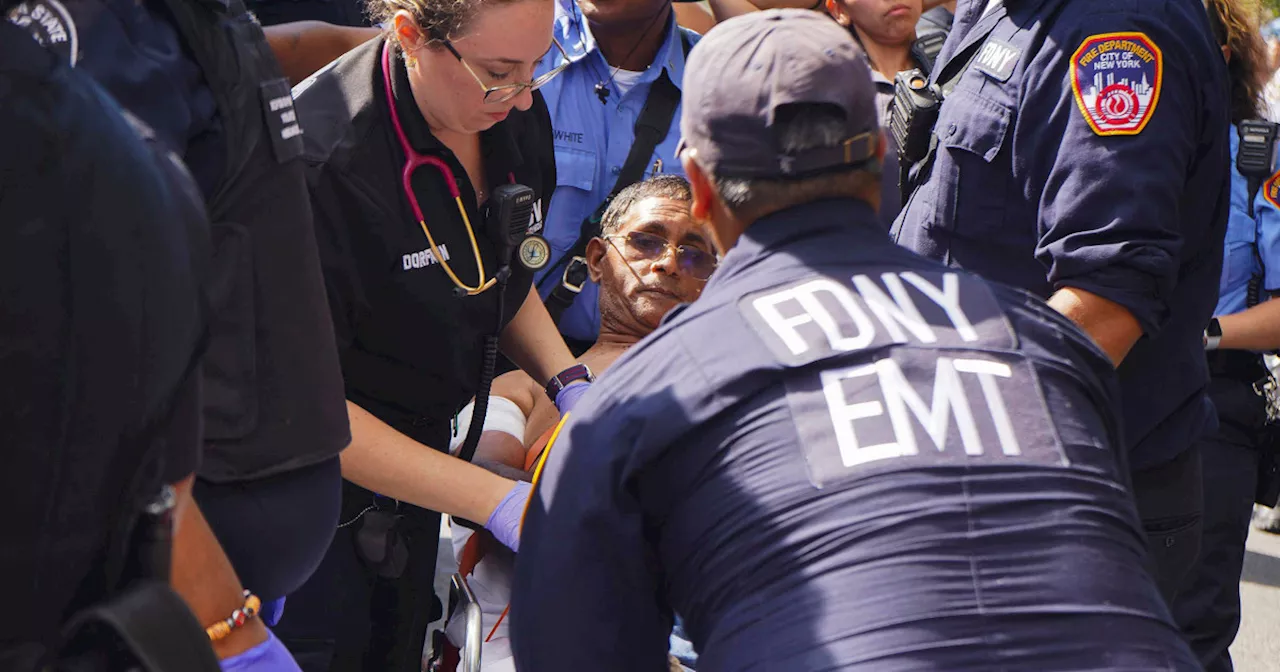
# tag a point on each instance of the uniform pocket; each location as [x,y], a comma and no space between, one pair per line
[230,364]
[970,192]
[575,170]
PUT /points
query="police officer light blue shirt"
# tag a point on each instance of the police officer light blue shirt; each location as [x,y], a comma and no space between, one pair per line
[1240,263]
[592,141]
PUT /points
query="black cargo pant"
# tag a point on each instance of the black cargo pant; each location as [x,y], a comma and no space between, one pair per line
[275,530]
[1170,500]
[368,605]
[1208,607]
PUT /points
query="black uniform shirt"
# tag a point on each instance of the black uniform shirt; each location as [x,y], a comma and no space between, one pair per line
[843,456]
[410,349]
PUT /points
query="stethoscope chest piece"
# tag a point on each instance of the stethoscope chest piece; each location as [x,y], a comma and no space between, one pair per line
[534,252]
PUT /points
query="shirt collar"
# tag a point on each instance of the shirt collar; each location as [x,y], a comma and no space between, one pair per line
[882,82]
[575,36]
[780,229]
[411,120]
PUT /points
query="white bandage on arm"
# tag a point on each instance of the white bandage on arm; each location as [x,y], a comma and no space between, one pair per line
[503,416]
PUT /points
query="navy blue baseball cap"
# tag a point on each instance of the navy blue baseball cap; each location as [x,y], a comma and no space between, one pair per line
[748,67]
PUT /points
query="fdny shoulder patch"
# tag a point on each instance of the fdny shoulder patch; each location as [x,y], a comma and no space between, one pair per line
[1271,191]
[1116,80]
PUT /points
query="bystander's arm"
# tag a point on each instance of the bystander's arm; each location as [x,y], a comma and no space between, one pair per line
[694,16]
[303,47]
[724,10]
[1257,328]
[201,573]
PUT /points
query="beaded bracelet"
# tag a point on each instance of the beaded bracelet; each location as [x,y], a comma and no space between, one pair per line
[237,618]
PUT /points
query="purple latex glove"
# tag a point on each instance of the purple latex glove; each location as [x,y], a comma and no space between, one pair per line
[505,520]
[272,612]
[269,656]
[567,398]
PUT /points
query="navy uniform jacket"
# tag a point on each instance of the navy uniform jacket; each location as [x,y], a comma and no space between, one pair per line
[132,50]
[102,245]
[1087,147]
[843,456]
[201,75]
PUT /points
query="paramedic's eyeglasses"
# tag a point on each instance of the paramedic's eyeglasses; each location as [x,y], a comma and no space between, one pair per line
[501,94]
[643,246]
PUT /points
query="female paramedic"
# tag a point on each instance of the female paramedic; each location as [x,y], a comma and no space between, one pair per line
[430,165]
[1208,608]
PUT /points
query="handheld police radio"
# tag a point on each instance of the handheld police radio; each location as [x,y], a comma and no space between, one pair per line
[912,115]
[926,48]
[1254,160]
[1257,148]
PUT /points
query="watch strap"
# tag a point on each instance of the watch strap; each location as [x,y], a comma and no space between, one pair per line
[572,374]
[1213,335]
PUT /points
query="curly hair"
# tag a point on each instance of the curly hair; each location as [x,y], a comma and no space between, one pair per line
[1235,25]
[438,19]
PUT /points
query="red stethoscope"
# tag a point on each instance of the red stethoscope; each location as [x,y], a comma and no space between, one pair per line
[413,161]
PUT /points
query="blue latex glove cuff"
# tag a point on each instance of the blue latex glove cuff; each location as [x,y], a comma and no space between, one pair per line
[272,612]
[505,520]
[269,656]
[570,395]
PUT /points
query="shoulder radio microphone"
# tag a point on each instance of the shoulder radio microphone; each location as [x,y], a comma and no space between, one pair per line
[510,208]
[509,211]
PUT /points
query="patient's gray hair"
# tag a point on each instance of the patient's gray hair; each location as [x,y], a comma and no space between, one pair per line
[673,187]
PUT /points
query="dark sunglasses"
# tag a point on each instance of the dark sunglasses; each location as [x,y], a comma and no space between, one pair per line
[642,246]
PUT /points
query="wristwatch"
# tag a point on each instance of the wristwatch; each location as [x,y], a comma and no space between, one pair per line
[1213,334]
[561,380]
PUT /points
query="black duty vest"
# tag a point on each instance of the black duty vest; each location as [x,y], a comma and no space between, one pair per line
[273,389]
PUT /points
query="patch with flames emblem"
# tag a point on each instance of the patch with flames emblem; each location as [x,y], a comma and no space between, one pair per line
[1116,80]
[1271,191]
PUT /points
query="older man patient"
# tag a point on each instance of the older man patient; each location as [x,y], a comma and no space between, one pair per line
[650,257]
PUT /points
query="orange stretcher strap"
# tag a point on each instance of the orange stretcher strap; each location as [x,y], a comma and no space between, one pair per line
[541,459]
[535,451]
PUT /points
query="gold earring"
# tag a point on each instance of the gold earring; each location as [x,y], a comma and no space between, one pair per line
[410,61]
